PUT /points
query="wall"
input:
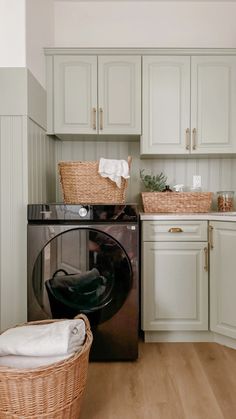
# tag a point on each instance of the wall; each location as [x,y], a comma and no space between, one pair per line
[145,24]
[39,34]
[27,169]
[217,174]
[12,33]
[26,27]
[148,24]
[13,198]
[27,173]
[41,165]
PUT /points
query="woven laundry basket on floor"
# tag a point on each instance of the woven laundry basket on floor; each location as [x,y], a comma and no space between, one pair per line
[50,392]
[82,184]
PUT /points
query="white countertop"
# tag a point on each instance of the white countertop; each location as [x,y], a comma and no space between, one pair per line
[209,216]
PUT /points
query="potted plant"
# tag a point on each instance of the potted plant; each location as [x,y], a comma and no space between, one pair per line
[154,200]
[153,183]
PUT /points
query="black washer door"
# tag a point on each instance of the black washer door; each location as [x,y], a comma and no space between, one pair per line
[82,271]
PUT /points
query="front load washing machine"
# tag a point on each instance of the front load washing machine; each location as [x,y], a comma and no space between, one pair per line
[84,259]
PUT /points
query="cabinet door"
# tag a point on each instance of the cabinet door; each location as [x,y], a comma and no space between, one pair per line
[175,286]
[213,104]
[119,91]
[75,94]
[166,105]
[223,279]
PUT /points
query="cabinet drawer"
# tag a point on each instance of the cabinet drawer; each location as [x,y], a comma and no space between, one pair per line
[174,231]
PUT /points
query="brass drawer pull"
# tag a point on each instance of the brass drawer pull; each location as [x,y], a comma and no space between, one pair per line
[175,230]
[206,259]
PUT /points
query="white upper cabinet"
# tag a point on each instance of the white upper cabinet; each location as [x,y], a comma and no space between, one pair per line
[75,94]
[187,98]
[119,94]
[189,117]
[213,104]
[166,104]
[97,94]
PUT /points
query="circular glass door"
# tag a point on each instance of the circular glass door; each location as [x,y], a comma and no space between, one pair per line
[82,271]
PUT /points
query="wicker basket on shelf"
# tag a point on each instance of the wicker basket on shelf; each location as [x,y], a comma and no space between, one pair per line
[82,184]
[177,202]
[50,392]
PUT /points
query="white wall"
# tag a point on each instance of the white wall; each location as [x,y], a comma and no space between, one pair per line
[145,23]
[39,34]
[26,27]
[12,33]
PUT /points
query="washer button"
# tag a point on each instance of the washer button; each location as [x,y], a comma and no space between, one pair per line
[83,212]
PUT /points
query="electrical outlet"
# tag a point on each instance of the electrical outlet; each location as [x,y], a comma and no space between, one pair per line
[197,181]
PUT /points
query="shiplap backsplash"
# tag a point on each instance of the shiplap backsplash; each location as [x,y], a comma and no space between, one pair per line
[216,173]
[13,219]
[41,165]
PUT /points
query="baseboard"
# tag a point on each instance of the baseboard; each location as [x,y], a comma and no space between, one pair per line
[179,336]
[224,340]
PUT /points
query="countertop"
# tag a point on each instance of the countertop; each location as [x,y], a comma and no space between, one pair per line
[209,216]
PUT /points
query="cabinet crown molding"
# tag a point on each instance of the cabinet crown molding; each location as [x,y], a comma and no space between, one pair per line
[139,51]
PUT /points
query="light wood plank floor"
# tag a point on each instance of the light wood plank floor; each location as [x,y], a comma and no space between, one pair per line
[169,381]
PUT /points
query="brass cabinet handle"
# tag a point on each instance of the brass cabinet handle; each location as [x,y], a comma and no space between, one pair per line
[101,118]
[206,259]
[211,237]
[187,137]
[194,133]
[175,230]
[94,118]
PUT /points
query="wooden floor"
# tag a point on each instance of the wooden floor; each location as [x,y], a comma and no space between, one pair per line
[169,381]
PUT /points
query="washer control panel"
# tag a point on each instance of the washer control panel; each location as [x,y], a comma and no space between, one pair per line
[68,213]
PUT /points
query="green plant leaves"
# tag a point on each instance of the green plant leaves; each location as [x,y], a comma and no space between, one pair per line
[153,183]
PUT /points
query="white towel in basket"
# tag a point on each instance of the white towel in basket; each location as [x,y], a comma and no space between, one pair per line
[57,338]
[25,362]
[114,170]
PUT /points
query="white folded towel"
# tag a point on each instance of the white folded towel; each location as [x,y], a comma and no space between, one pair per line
[58,338]
[25,362]
[114,170]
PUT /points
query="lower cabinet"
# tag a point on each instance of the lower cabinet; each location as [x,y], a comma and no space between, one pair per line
[223,278]
[174,284]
